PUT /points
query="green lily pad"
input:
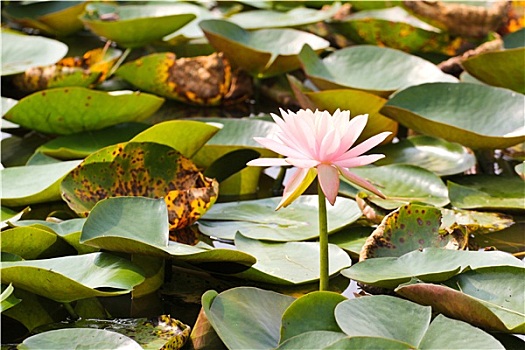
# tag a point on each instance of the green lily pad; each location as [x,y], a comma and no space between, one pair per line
[246,317]
[339,340]
[79,337]
[236,134]
[141,169]
[387,317]
[20,188]
[395,28]
[62,280]
[311,312]
[9,216]
[134,25]
[497,74]
[509,240]
[118,224]
[7,298]
[401,184]
[429,265]
[376,70]
[32,243]
[487,192]
[437,155]
[520,170]
[258,219]
[262,53]
[296,17]
[351,239]
[489,298]
[190,31]
[288,263]
[51,17]
[514,40]
[449,115]
[20,52]
[66,111]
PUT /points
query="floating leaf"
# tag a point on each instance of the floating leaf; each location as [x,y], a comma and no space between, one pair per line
[79,337]
[81,145]
[191,31]
[127,224]
[7,298]
[142,169]
[66,111]
[387,317]
[395,28]
[20,188]
[134,25]
[509,240]
[32,242]
[61,279]
[476,222]
[402,183]
[299,16]
[376,70]
[9,216]
[339,340]
[490,297]
[437,155]
[51,17]
[514,40]
[498,74]
[487,192]
[351,239]
[449,115]
[429,265]
[258,219]
[21,52]
[520,170]
[262,53]
[246,317]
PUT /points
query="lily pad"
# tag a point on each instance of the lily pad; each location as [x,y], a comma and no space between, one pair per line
[60,279]
[258,219]
[142,169]
[7,298]
[437,155]
[81,145]
[288,263]
[490,297]
[32,243]
[246,317]
[126,224]
[449,115]
[190,31]
[395,28]
[296,17]
[515,39]
[79,337]
[66,111]
[475,222]
[376,70]
[262,53]
[20,188]
[51,17]
[520,170]
[134,25]
[487,192]
[20,52]
[401,184]
[387,317]
[429,265]
[498,75]
[351,239]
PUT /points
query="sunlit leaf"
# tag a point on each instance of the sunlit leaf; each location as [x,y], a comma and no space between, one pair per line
[7,298]
[429,265]
[449,114]
[66,111]
[263,53]
[489,298]
[258,219]
[134,25]
[20,188]
[338,340]
[32,243]
[61,279]
[20,52]
[373,69]
[191,31]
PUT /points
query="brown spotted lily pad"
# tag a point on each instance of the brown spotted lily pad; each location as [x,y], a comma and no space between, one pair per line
[202,80]
[141,169]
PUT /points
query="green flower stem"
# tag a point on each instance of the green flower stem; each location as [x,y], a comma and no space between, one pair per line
[323,240]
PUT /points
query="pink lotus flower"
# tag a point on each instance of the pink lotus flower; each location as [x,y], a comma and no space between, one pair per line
[318,143]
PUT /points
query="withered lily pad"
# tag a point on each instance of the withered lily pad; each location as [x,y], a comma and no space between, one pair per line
[69,110]
[134,25]
[141,169]
[263,53]
[449,115]
[490,297]
[373,69]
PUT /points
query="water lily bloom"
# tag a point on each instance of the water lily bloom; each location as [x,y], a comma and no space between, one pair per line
[320,144]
